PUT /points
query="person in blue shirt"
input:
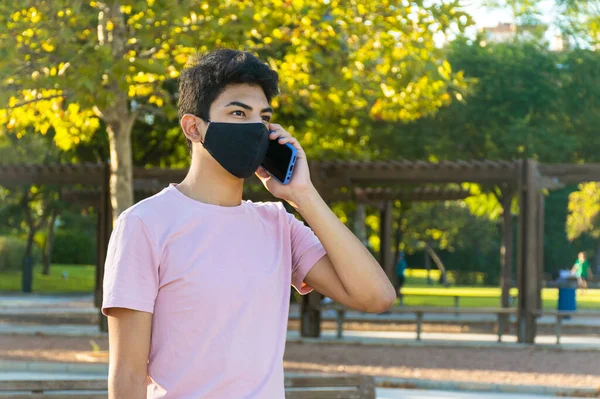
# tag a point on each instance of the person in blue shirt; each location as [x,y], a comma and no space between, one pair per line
[401,267]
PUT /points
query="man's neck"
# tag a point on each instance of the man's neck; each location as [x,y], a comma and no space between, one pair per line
[209,183]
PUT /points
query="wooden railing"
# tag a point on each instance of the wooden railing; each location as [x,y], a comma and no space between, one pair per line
[457,298]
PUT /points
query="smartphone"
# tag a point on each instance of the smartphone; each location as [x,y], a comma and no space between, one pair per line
[280,160]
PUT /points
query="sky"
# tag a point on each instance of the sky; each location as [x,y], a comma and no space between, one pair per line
[485,17]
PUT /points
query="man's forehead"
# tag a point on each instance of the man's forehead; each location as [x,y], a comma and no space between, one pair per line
[251,95]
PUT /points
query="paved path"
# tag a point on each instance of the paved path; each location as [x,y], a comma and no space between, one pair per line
[451,339]
[386,393]
[580,321]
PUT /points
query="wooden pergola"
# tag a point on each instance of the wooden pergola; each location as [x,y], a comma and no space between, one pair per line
[376,183]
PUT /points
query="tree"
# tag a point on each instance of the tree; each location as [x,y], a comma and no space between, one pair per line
[69,64]
[514,109]
[466,240]
[584,214]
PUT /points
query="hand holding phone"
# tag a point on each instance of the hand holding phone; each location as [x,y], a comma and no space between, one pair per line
[280,160]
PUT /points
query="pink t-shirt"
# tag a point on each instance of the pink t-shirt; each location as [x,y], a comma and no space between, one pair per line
[217,280]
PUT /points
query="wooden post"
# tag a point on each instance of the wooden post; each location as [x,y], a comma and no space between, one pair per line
[386,231]
[310,315]
[103,231]
[506,252]
[360,228]
[528,263]
[540,249]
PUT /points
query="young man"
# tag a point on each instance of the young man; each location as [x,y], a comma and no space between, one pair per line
[197,282]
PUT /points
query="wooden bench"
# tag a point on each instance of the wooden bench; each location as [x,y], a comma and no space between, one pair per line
[296,387]
[501,313]
[561,315]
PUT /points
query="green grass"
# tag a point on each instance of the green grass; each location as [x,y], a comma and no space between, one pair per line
[483,297]
[81,279]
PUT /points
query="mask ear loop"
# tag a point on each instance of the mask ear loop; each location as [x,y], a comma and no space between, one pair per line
[202,142]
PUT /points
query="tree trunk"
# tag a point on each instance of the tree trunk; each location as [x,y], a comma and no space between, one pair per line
[438,262]
[27,271]
[118,117]
[121,162]
[49,243]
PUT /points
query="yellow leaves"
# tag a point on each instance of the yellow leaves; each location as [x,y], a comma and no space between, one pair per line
[333,97]
[445,70]
[181,59]
[156,100]
[71,124]
[387,91]
[47,47]
[110,26]
[126,9]
[34,16]
[277,34]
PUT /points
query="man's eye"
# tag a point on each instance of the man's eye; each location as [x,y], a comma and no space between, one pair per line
[266,118]
[238,113]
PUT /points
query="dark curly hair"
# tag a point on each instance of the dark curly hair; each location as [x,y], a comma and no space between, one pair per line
[208,75]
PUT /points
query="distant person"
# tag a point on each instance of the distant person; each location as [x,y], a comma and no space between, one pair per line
[582,270]
[197,281]
[401,267]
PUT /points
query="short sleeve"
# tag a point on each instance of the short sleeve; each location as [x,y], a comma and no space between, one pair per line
[307,250]
[131,270]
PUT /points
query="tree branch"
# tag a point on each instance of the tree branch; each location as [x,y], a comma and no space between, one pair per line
[36,100]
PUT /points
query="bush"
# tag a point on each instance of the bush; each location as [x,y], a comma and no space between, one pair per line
[12,251]
[73,247]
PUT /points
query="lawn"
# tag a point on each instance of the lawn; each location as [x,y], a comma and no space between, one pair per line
[79,278]
[476,297]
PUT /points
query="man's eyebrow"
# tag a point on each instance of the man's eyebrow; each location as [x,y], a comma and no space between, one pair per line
[246,106]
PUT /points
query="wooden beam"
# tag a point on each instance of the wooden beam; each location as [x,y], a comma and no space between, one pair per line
[52,174]
[571,173]
[528,264]
[386,232]
[341,173]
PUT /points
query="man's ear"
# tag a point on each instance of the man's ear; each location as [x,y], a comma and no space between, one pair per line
[194,128]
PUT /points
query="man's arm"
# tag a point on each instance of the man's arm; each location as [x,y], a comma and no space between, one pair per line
[348,274]
[129,345]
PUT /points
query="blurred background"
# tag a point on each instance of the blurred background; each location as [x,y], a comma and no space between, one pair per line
[95,82]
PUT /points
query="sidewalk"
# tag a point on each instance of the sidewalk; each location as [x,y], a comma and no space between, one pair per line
[15,370]
[445,318]
[402,338]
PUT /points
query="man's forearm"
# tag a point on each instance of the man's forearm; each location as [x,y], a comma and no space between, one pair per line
[362,276]
[126,385]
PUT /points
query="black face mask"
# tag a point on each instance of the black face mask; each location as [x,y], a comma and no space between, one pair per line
[238,147]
